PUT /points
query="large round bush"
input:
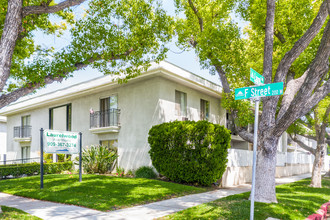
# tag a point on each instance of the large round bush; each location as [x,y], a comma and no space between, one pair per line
[189,152]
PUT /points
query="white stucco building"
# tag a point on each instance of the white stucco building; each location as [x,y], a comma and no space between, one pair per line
[121,115]
[3,137]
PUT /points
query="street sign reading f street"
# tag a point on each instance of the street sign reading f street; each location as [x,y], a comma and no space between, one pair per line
[259,91]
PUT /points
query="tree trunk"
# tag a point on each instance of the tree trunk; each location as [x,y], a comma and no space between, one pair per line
[317,166]
[265,173]
[9,36]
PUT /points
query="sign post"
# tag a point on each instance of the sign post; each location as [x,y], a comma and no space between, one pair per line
[41,158]
[255,93]
[255,146]
[59,142]
[80,152]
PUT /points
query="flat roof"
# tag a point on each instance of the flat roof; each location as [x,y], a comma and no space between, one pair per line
[3,119]
[163,68]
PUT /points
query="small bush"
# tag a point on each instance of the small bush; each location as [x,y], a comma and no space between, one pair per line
[34,168]
[189,152]
[120,171]
[98,159]
[130,173]
[145,172]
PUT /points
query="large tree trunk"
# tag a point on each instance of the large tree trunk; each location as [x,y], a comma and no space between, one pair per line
[317,166]
[265,173]
[9,36]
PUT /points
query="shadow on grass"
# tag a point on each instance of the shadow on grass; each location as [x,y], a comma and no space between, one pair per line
[295,201]
[96,191]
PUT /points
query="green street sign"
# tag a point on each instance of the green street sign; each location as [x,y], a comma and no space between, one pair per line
[256,78]
[259,91]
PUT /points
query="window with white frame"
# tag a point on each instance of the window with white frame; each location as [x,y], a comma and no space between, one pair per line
[180,103]
[205,110]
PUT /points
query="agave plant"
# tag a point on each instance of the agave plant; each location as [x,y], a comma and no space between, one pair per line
[98,159]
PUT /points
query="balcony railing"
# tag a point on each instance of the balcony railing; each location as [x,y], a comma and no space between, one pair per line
[22,131]
[108,118]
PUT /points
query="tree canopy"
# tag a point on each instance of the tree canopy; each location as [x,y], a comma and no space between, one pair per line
[114,36]
[287,41]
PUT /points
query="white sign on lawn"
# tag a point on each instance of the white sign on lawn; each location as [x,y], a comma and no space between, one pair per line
[61,142]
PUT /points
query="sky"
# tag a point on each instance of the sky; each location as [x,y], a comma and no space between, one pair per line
[184,59]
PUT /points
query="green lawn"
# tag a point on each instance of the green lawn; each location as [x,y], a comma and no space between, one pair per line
[12,213]
[295,201]
[96,191]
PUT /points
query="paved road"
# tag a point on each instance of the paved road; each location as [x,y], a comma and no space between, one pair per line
[52,211]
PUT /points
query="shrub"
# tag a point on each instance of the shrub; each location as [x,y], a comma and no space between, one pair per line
[34,168]
[145,172]
[98,159]
[189,152]
[120,171]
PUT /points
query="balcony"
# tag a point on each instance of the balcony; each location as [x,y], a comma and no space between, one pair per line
[22,133]
[105,121]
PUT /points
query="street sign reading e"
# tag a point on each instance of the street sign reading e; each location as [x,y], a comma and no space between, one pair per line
[61,142]
[256,78]
[259,91]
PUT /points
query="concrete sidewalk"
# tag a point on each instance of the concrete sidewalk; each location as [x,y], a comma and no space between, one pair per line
[50,210]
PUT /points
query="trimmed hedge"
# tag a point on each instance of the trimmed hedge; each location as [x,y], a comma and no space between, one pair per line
[190,152]
[145,172]
[34,168]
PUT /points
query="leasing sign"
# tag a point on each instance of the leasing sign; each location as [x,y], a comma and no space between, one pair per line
[61,142]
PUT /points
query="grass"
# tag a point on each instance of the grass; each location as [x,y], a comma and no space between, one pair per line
[295,201]
[12,213]
[95,191]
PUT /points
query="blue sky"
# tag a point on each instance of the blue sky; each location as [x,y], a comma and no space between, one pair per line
[184,59]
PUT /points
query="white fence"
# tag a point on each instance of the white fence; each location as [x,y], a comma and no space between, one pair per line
[243,158]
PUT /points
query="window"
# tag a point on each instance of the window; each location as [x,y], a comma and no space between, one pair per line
[25,153]
[109,103]
[25,129]
[205,109]
[108,111]
[180,103]
[112,144]
[26,120]
[60,118]
[229,123]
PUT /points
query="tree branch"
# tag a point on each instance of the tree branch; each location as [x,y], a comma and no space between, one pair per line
[280,36]
[223,79]
[268,115]
[6,99]
[292,88]
[301,44]
[46,9]
[200,20]
[293,54]
[269,41]
[309,136]
[315,72]
[325,119]
[303,145]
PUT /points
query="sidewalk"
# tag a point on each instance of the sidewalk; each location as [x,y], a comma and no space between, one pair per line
[50,210]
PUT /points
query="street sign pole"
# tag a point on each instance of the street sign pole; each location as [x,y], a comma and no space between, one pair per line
[80,155]
[255,93]
[255,146]
[41,158]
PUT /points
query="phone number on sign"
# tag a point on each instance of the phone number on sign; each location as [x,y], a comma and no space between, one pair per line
[59,144]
